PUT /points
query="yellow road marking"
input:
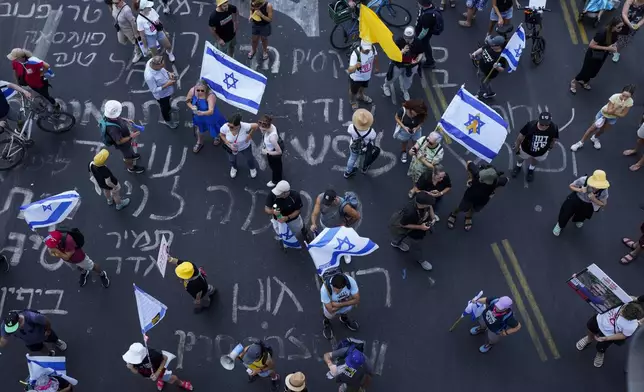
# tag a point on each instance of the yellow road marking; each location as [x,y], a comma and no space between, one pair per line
[443,105]
[436,110]
[530,297]
[519,303]
[580,26]
[569,22]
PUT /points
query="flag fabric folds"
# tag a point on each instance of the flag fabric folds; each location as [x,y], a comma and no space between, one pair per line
[331,243]
[7,91]
[232,81]
[48,366]
[474,125]
[373,30]
[474,309]
[151,311]
[52,210]
[285,234]
[514,48]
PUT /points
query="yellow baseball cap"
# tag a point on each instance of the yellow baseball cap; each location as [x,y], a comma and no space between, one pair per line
[101,157]
[184,270]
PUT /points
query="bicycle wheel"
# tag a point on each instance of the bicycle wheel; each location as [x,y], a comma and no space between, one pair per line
[56,122]
[538,48]
[340,39]
[12,152]
[394,15]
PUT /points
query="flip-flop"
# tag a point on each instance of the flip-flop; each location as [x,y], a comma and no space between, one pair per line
[573,87]
[628,153]
[197,147]
[587,86]
[635,167]
[629,243]
[451,220]
[627,259]
[366,99]
[187,385]
[160,384]
[468,224]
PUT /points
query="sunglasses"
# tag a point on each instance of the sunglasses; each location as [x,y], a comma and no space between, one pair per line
[263,124]
[201,91]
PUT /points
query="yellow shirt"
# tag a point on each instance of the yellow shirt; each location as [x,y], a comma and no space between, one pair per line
[619,103]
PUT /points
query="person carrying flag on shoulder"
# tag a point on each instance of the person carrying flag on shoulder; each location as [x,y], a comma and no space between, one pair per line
[490,63]
[497,319]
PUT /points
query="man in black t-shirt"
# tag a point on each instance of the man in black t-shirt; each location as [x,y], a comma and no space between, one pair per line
[223,24]
[412,54]
[412,224]
[118,132]
[534,142]
[490,64]
[284,204]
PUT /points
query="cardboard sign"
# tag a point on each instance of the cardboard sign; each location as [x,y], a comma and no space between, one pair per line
[162,258]
[598,289]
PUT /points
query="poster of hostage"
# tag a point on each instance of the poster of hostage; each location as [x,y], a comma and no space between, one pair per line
[598,290]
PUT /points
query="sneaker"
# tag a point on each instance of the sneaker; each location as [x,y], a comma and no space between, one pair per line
[233,172]
[615,57]
[556,230]
[476,330]
[348,174]
[596,142]
[83,278]
[105,280]
[171,57]
[485,348]
[515,172]
[166,9]
[401,245]
[403,157]
[110,202]
[425,264]
[172,124]
[583,343]
[124,203]
[327,330]
[406,96]
[576,146]
[275,384]
[488,96]
[136,169]
[137,57]
[530,176]
[386,90]
[253,173]
[136,156]
[352,325]
[579,224]
[599,360]
[270,184]
[61,345]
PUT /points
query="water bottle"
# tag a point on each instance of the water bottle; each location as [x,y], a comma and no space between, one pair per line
[234,148]
[278,213]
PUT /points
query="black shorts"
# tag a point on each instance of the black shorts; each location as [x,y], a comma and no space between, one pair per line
[466,204]
[127,150]
[593,326]
[263,30]
[52,338]
[355,85]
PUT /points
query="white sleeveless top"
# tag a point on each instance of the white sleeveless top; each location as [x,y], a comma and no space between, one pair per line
[267,136]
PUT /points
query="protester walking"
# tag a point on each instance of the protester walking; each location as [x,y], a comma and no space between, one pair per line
[237,136]
[31,71]
[106,181]
[116,132]
[633,17]
[271,147]
[261,18]
[640,142]
[257,357]
[362,137]
[635,247]
[534,142]
[67,245]
[426,153]
[34,329]
[473,6]
[284,205]
[206,117]
[490,64]
[152,30]
[589,195]
[153,364]
[481,187]
[497,319]
[161,84]
[501,14]
[126,27]
[331,210]
[362,63]
[195,281]
[223,24]
[295,382]
[617,107]
[602,44]
[611,327]
[412,51]
[436,182]
[409,226]
[354,373]
[428,22]
[339,294]
[409,125]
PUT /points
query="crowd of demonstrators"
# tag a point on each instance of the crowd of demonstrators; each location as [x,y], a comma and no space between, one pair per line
[427,152]
[409,125]
[223,23]
[206,117]
[236,136]
[409,226]
[272,145]
[153,365]
[106,181]
[640,142]
[161,84]
[412,51]
[534,142]
[195,281]
[633,17]
[497,320]
[339,294]
[362,63]
[34,329]
[589,195]
[261,18]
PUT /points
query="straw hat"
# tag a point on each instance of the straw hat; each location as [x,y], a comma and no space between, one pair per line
[101,157]
[184,270]
[598,180]
[295,382]
[17,53]
[362,119]
[220,2]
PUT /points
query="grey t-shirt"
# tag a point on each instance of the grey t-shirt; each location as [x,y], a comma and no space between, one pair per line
[330,216]
[352,377]
[118,133]
[601,194]
[32,332]
[126,20]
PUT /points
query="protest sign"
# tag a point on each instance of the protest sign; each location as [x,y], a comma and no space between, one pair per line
[598,290]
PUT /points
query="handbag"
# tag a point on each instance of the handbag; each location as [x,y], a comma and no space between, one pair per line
[158,25]
[116,20]
[227,147]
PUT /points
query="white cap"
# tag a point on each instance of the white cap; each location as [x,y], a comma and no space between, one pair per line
[366,45]
[135,354]
[145,4]
[112,109]
[409,31]
[281,187]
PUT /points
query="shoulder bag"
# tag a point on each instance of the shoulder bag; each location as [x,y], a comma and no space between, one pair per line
[116,20]
[158,25]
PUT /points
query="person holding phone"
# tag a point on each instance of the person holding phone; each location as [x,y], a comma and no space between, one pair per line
[589,195]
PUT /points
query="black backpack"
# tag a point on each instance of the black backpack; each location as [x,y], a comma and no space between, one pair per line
[266,349]
[329,274]
[76,234]
[439,24]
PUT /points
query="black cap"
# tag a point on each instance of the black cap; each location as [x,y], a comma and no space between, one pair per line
[329,197]
[425,198]
[545,119]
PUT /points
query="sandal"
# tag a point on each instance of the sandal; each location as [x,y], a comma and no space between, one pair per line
[160,384]
[251,55]
[355,106]
[627,259]
[186,385]
[629,243]
[573,87]
[451,220]
[265,56]
[586,86]
[628,153]
[197,147]
[366,99]
[635,167]
[468,224]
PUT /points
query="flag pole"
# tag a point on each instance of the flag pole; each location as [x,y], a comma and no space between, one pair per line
[458,320]
[490,73]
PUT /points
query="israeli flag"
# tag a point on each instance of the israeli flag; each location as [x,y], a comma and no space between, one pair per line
[151,311]
[474,125]
[47,366]
[52,210]
[285,234]
[474,309]
[232,81]
[514,48]
[330,244]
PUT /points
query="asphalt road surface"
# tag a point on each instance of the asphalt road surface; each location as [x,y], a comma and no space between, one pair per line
[218,222]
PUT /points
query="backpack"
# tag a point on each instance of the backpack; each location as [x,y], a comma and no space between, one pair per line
[105,136]
[352,345]
[357,146]
[350,198]
[266,349]
[76,234]
[329,274]
[439,24]
[504,324]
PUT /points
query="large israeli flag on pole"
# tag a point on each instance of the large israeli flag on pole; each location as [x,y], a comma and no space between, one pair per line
[330,244]
[151,311]
[474,125]
[48,366]
[232,81]
[52,210]
[285,234]
[514,48]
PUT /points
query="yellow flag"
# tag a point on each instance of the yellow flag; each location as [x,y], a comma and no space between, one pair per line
[373,30]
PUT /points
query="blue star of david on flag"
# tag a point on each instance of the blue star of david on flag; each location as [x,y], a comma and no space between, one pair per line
[344,241]
[474,124]
[52,210]
[513,49]
[332,243]
[46,207]
[231,81]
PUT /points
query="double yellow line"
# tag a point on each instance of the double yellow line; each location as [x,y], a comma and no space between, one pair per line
[438,105]
[520,305]
[568,6]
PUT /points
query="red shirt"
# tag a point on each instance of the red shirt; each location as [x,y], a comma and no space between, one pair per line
[31,71]
[70,245]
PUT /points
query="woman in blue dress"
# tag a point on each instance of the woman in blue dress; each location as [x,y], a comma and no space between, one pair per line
[205,115]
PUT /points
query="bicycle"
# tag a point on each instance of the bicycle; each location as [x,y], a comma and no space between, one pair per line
[347,27]
[533,22]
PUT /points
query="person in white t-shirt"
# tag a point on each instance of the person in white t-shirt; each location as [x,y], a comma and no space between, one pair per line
[361,65]
[613,326]
[237,136]
[362,135]
[151,28]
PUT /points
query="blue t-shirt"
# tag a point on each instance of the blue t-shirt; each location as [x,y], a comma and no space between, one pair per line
[341,296]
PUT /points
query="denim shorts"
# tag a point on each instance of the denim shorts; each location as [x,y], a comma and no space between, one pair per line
[154,40]
[405,136]
[507,15]
[610,121]
[478,4]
